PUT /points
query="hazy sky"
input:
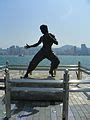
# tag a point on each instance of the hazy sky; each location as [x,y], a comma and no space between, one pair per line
[69,20]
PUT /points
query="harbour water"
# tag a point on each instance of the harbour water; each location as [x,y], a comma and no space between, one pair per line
[64,60]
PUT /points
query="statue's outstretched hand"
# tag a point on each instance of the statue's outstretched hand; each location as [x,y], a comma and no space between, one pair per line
[27,46]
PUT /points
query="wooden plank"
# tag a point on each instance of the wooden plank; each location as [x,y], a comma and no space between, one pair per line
[73,107]
[58,107]
[87,94]
[70,114]
[48,111]
[86,103]
[53,114]
[79,106]
[2,107]
[42,115]
[82,105]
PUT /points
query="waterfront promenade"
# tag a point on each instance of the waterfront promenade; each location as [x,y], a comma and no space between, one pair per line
[79,106]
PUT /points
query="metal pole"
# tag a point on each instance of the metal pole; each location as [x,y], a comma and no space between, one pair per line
[7,63]
[65,96]
[7,94]
[79,73]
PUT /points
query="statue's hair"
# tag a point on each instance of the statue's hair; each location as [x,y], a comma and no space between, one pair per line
[44,28]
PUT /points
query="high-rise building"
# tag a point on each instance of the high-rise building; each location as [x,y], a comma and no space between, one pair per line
[84,49]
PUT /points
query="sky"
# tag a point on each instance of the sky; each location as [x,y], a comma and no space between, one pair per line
[68,20]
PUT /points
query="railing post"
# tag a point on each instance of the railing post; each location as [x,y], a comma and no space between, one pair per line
[65,96]
[79,72]
[7,94]
[7,64]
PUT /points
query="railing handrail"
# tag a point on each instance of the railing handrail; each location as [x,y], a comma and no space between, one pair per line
[88,69]
[60,68]
[2,67]
[46,66]
[85,71]
[77,68]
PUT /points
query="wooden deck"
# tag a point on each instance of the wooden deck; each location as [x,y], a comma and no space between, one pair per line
[79,106]
[79,109]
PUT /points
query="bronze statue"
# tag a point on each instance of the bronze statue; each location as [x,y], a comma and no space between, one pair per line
[48,40]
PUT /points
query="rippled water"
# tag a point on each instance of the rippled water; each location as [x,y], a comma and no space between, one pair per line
[65,60]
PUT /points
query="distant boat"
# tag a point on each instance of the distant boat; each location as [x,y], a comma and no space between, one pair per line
[21,55]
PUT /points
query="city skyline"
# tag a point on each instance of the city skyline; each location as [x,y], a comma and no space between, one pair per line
[67,19]
[64,50]
[52,46]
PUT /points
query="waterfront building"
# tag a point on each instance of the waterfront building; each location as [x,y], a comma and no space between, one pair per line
[84,49]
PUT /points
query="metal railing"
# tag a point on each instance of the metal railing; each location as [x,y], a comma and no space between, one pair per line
[65,92]
[2,79]
[66,82]
[77,68]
